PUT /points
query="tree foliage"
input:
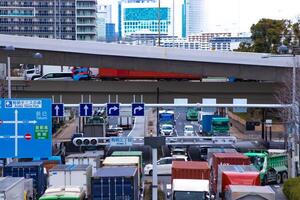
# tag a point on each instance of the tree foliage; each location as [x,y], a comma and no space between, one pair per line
[268,34]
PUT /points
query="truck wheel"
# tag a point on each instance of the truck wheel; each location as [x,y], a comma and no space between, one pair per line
[278,178]
[284,177]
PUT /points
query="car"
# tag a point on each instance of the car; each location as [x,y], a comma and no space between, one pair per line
[114,131]
[164,165]
[188,130]
[178,152]
[64,76]
[167,130]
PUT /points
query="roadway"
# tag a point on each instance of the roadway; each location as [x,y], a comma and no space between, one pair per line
[163,91]
[251,66]
[138,130]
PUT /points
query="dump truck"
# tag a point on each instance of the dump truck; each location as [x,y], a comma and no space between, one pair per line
[272,164]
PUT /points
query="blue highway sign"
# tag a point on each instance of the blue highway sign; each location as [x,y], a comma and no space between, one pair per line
[85,109]
[25,128]
[138,109]
[113,109]
[57,110]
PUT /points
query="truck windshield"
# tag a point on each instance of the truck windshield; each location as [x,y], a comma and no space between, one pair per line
[183,195]
[257,162]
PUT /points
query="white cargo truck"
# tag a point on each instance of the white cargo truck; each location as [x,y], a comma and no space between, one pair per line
[191,189]
[70,175]
[11,188]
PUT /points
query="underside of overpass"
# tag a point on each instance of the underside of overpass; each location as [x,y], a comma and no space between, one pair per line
[165,91]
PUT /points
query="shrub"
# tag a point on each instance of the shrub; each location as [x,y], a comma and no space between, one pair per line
[291,188]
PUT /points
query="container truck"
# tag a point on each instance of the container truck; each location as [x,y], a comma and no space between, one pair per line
[235,175]
[11,188]
[189,189]
[34,170]
[64,193]
[115,183]
[215,125]
[211,151]
[124,161]
[70,175]
[247,192]
[190,180]
[190,170]
[225,159]
[272,164]
[92,158]
[166,120]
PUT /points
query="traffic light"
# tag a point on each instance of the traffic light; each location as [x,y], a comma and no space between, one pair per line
[85,141]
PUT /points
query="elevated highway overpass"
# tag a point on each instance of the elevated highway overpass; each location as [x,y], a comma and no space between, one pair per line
[166,91]
[249,66]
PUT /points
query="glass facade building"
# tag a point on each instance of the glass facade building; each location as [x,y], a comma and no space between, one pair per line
[137,19]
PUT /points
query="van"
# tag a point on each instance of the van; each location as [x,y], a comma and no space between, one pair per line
[65,76]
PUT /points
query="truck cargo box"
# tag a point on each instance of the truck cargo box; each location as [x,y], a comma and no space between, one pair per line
[34,170]
[49,162]
[190,170]
[123,161]
[115,183]
[226,159]
[11,188]
[130,154]
[236,175]
[211,151]
[242,192]
[88,158]
[71,175]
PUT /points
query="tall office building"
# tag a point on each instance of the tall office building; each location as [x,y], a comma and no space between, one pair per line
[194,10]
[40,18]
[86,19]
[104,17]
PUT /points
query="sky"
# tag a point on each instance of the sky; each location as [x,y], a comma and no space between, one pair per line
[239,15]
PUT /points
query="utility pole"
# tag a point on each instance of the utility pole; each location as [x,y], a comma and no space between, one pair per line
[158,15]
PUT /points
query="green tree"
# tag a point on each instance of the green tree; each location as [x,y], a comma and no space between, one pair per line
[268,34]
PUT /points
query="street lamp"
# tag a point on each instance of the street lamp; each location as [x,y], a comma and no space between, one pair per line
[10,49]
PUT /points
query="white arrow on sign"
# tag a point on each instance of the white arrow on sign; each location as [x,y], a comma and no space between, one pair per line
[16,123]
[112,108]
[16,133]
[85,110]
[139,108]
[56,110]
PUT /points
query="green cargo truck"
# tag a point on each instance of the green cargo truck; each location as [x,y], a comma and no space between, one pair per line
[64,193]
[220,126]
[272,164]
[192,114]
